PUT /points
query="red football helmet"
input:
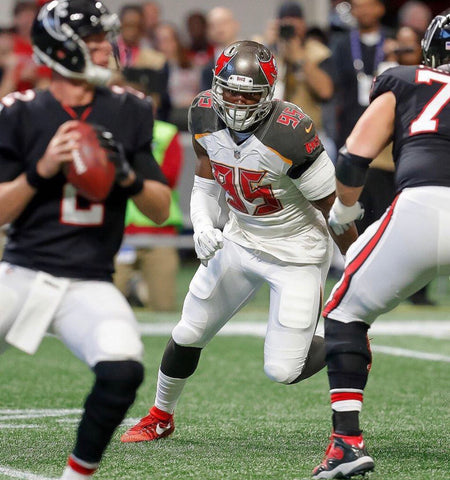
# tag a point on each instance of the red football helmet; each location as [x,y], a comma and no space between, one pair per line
[244,66]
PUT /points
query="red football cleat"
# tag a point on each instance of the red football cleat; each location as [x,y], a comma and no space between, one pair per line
[157,424]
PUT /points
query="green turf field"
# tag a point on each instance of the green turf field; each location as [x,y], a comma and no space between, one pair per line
[232,422]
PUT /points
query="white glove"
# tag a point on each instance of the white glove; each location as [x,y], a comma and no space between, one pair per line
[207,242]
[341,217]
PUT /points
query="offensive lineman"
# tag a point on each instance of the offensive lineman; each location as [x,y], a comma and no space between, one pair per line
[410,104]
[58,261]
[279,185]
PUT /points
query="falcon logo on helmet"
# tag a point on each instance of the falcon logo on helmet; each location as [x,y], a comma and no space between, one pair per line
[58,32]
[244,67]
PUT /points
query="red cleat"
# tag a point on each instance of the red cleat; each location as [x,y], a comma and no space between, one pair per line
[157,424]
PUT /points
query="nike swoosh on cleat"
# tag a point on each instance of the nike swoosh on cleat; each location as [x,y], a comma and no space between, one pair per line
[308,129]
[360,445]
[160,430]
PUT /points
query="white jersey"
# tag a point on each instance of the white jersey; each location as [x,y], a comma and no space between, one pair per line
[270,179]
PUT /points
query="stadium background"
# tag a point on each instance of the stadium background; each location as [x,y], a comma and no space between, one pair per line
[251,14]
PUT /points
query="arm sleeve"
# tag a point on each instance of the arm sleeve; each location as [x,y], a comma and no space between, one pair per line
[205,210]
[319,180]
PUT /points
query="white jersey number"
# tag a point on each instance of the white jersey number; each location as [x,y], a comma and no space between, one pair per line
[71,214]
[427,120]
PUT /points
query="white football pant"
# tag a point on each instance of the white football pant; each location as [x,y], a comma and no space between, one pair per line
[396,256]
[231,279]
[93,318]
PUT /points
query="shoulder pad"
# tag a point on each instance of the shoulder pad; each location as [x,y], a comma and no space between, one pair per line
[202,117]
[291,133]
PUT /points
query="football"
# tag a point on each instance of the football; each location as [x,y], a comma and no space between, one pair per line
[90,172]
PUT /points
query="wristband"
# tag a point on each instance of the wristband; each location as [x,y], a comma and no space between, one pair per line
[34,179]
[136,187]
[351,170]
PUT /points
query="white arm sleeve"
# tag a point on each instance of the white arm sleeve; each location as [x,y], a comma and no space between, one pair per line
[319,180]
[205,210]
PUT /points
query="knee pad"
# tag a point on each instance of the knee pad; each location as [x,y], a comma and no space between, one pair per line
[348,354]
[183,334]
[277,373]
[179,361]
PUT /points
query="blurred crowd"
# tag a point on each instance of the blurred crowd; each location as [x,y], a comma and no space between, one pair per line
[327,72]
[173,63]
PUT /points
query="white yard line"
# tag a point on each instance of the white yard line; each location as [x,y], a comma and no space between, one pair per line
[13,473]
[426,328]
[403,352]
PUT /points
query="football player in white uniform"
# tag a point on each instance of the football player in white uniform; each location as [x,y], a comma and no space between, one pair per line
[280,186]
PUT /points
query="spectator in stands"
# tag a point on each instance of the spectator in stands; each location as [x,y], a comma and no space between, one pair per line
[6,52]
[415,14]
[143,67]
[152,17]
[158,265]
[223,29]
[184,77]
[19,71]
[200,50]
[356,55]
[305,67]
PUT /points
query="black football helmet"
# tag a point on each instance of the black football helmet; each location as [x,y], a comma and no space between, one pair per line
[436,42]
[58,32]
[244,66]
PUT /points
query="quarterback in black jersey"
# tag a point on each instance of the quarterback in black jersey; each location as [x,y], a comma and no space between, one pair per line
[57,265]
[402,251]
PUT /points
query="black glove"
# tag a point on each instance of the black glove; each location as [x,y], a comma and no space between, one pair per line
[115,152]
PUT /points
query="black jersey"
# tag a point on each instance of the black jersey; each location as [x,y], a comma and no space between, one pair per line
[59,232]
[422,124]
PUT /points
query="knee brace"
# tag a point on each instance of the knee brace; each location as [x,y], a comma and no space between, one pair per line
[348,354]
[113,393]
[178,361]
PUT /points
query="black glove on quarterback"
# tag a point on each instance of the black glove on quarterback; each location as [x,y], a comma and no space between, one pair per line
[116,153]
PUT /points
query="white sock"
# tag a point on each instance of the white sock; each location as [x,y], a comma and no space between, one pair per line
[70,474]
[168,392]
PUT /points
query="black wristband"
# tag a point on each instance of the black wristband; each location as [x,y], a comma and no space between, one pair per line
[34,179]
[351,170]
[136,187]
